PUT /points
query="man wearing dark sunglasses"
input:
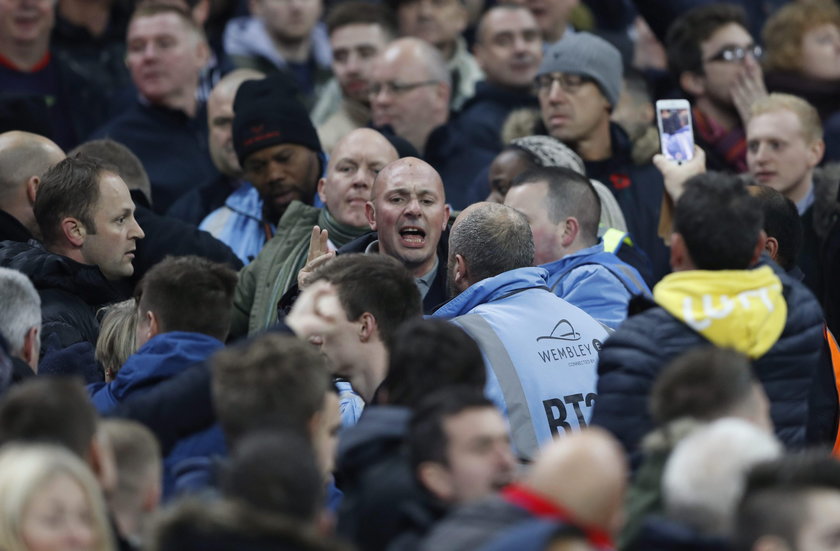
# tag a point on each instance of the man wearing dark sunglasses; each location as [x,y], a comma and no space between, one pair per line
[716,62]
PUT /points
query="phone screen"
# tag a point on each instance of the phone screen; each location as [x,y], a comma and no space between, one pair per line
[676,133]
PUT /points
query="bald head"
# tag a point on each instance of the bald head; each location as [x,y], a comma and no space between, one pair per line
[410,167]
[408,210]
[486,240]
[595,491]
[421,103]
[220,120]
[24,158]
[355,161]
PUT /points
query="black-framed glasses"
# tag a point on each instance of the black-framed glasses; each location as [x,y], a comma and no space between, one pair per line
[737,53]
[397,88]
[569,83]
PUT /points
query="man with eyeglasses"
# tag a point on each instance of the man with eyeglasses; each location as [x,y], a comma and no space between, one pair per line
[716,62]
[410,90]
[441,23]
[577,86]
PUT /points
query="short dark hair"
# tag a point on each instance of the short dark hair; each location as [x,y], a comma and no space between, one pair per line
[704,383]
[69,189]
[121,158]
[682,42]
[374,283]
[189,293]
[782,222]
[427,440]
[271,381]
[362,13]
[52,410]
[493,239]
[719,221]
[774,501]
[150,9]
[429,354]
[480,26]
[276,471]
[569,194]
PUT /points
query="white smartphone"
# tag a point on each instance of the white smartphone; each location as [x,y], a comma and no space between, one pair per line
[676,134]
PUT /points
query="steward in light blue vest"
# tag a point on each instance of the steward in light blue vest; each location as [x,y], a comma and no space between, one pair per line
[597,282]
[541,353]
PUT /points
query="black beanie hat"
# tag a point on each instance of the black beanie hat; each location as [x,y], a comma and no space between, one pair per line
[266,113]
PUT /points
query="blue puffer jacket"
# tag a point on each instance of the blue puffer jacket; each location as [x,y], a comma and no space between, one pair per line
[634,356]
[541,353]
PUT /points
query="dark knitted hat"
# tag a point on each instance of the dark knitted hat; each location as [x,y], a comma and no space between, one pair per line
[266,113]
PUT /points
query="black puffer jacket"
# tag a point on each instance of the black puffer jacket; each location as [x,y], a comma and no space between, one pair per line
[791,371]
[70,294]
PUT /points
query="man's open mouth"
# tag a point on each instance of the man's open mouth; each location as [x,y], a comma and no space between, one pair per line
[413,236]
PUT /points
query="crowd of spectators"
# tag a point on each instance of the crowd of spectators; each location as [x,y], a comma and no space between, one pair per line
[414,275]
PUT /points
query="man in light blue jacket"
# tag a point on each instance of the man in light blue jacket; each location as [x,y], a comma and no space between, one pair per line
[541,352]
[563,210]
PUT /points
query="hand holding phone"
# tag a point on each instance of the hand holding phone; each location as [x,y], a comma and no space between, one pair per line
[676,134]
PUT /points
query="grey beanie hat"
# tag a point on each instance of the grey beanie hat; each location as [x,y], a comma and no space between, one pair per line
[585,54]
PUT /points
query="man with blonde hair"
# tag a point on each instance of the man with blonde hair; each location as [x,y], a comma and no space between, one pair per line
[784,146]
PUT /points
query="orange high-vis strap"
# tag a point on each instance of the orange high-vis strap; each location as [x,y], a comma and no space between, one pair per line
[835,364]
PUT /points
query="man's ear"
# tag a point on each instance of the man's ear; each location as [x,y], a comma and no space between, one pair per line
[436,479]
[152,325]
[369,327]
[815,152]
[370,213]
[101,461]
[151,495]
[74,231]
[771,247]
[448,211]
[693,83]
[202,53]
[32,188]
[570,229]
[678,253]
[30,351]
[461,275]
[321,183]
[759,247]
[201,12]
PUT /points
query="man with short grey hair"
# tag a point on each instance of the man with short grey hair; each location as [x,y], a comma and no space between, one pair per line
[20,320]
[525,332]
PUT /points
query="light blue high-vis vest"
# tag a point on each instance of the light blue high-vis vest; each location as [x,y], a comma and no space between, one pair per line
[540,351]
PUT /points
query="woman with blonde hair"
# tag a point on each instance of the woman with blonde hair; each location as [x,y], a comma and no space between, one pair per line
[50,501]
[117,339]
